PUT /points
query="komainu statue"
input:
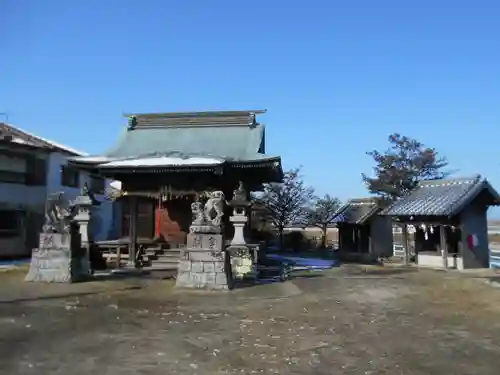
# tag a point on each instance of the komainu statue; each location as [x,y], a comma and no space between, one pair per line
[58,214]
[214,208]
[240,194]
[198,213]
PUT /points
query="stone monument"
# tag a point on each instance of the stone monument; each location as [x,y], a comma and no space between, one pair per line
[241,260]
[59,256]
[204,263]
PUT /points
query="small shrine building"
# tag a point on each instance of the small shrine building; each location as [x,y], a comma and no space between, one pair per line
[450,218]
[166,160]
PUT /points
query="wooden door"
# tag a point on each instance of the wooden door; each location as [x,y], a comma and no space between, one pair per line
[145,217]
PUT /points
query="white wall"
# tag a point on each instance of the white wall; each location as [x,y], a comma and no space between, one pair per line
[102,214]
[436,261]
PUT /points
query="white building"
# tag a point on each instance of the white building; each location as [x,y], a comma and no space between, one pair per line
[31,169]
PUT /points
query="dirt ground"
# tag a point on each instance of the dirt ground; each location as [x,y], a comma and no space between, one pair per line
[350,320]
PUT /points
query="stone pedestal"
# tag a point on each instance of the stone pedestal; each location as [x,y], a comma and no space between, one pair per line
[239,222]
[204,263]
[58,259]
[242,264]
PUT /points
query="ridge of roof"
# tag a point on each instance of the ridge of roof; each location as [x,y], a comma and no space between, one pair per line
[449,181]
[38,141]
[197,113]
[192,119]
[441,197]
[367,200]
[344,213]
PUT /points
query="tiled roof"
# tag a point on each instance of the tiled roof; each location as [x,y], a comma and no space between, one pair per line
[18,136]
[441,197]
[358,211]
[230,135]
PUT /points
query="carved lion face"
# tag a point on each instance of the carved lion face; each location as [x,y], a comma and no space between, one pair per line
[196,206]
[217,195]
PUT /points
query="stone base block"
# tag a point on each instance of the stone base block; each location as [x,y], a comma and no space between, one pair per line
[205,242]
[242,263]
[204,263]
[205,228]
[56,266]
[202,275]
[57,260]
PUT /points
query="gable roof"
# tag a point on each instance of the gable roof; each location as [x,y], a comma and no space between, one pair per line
[226,135]
[358,211]
[442,197]
[18,136]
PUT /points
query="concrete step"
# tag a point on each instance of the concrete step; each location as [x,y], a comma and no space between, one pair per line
[166,261]
[163,266]
[163,256]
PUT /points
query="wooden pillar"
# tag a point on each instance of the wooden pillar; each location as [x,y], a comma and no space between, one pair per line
[132,246]
[339,236]
[359,239]
[443,245]
[248,227]
[157,224]
[405,245]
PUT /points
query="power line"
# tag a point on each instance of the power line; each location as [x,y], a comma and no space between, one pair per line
[6,115]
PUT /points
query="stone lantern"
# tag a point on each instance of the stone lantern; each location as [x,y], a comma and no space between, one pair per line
[83,217]
[240,205]
[241,259]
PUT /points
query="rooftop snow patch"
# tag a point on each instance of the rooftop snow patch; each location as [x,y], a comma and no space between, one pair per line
[161,161]
[21,136]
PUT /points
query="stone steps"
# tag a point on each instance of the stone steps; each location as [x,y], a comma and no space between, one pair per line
[167,259]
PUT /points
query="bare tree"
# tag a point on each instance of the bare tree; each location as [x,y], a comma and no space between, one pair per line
[323,213]
[286,203]
[399,168]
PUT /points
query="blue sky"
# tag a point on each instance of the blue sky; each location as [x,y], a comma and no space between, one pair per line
[336,77]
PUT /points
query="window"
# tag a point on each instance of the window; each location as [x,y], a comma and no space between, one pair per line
[97,184]
[12,168]
[9,223]
[36,171]
[70,177]
[13,177]
[22,169]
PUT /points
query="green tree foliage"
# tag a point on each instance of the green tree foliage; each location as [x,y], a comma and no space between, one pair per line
[399,168]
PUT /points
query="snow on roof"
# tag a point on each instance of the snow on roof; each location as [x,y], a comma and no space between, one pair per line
[91,159]
[20,140]
[161,161]
[55,144]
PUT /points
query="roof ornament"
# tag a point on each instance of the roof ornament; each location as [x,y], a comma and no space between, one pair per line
[132,122]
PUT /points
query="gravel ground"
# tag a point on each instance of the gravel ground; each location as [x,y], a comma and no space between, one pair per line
[350,320]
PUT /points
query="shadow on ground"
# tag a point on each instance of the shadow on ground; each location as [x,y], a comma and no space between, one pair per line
[398,321]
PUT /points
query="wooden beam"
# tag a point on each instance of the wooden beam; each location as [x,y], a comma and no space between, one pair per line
[132,247]
[443,245]
[405,245]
